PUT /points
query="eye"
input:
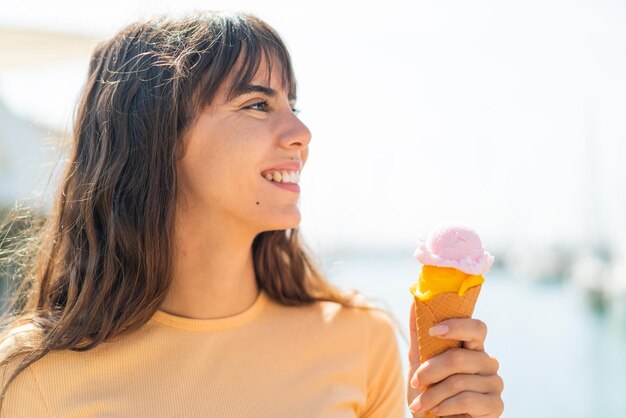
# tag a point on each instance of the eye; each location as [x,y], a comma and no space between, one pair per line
[262,106]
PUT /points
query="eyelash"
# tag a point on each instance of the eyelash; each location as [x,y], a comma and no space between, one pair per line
[264,103]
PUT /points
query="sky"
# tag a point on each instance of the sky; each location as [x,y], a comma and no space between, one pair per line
[503,115]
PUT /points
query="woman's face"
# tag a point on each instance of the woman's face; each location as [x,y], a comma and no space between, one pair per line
[235,148]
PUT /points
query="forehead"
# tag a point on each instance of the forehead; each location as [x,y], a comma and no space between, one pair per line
[262,68]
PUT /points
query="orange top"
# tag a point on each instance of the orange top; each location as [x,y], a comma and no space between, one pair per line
[270,361]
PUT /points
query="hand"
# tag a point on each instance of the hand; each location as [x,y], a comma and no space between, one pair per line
[461,382]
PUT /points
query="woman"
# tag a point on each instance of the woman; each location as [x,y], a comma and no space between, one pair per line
[173,282]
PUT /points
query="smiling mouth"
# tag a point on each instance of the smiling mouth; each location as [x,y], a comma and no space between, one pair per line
[284,177]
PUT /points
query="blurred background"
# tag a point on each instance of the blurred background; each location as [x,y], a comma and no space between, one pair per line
[507,116]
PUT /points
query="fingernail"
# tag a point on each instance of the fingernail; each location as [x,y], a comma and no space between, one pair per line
[439,330]
[416,405]
[414,382]
[434,410]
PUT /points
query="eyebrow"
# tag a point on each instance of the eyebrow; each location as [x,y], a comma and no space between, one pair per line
[254,88]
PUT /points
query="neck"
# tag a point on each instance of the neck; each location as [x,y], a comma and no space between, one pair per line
[213,270]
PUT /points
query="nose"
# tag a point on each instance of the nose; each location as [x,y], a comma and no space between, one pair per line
[294,133]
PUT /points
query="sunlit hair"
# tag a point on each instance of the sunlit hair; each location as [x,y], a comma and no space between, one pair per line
[102,261]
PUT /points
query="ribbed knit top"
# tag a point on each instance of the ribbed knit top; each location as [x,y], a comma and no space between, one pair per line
[217,324]
[269,361]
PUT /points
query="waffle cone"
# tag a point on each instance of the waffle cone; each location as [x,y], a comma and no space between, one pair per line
[439,308]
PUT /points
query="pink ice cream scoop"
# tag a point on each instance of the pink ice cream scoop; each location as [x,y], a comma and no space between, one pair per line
[456,246]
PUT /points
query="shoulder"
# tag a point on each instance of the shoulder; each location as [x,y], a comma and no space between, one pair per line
[383,330]
[379,327]
[15,337]
[377,323]
[384,381]
[13,340]
[23,397]
[362,325]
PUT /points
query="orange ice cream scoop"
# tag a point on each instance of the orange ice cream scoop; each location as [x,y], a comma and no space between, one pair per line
[435,280]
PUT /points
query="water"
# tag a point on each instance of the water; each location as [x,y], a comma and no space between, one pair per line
[557,356]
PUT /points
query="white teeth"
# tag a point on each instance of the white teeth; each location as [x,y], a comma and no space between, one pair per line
[283,176]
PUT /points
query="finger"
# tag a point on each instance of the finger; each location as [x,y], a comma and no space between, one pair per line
[412,391]
[469,330]
[458,383]
[471,403]
[455,361]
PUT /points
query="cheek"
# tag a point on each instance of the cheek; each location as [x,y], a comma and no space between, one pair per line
[227,164]
[199,170]
[189,179]
[230,175]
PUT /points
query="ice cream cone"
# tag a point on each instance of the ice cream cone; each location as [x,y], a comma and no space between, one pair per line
[453,261]
[439,308]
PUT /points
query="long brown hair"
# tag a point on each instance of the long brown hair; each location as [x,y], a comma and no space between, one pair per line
[102,263]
